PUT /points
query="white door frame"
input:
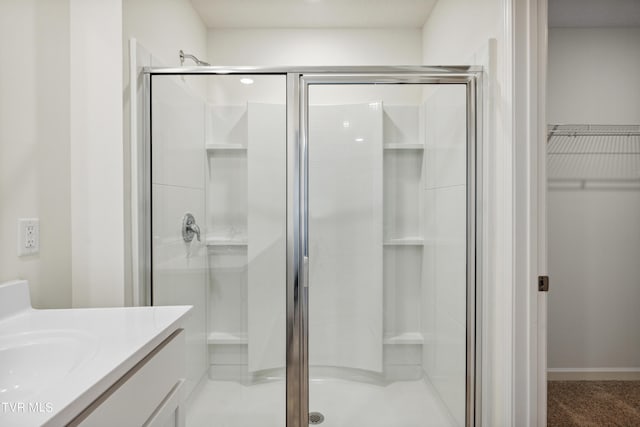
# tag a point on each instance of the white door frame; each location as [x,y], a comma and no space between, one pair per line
[529,32]
[541,237]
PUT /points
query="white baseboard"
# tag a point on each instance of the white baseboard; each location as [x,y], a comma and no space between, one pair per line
[593,374]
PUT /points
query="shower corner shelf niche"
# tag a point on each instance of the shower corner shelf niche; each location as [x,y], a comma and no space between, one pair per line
[402,146]
[405,338]
[227,157]
[220,241]
[403,165]
[227,338]
[403,232]
[230,146]
[226,148]
[405,241]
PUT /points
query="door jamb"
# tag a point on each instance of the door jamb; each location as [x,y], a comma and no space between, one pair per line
[529,35]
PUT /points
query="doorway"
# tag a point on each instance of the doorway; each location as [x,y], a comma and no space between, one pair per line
[593,163]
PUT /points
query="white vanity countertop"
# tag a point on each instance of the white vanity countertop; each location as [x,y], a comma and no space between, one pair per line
[111,341]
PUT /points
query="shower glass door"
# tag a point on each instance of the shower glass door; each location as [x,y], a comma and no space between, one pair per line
[389,202]
[322,223]
[218,208]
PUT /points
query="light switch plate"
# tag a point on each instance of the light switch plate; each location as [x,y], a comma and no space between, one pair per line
[28,236]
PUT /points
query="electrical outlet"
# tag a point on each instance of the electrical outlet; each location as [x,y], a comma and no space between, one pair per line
[28,236]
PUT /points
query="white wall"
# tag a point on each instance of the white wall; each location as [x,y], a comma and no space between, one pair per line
[314,46]
[457,29]
[458,32]
[164,27]
[593,76]
[34,145]
[96,152]
[594,242]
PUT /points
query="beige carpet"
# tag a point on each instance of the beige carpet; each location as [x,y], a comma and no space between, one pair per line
[593,403]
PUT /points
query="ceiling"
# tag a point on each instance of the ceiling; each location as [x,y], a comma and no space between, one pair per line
[314,13]
[594,13]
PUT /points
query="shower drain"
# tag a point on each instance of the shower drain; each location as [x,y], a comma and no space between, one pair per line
[315,418]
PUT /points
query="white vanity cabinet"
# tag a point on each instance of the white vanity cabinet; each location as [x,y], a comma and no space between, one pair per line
[149,394]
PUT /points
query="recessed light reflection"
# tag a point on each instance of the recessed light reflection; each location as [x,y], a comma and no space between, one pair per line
[359,139]
[346,124]
[246,81]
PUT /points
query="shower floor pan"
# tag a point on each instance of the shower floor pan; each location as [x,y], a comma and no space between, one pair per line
[342,403]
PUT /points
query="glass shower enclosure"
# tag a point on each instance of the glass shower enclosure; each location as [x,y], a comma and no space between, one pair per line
[323,224]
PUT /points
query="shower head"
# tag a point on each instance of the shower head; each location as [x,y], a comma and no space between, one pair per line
[184,56]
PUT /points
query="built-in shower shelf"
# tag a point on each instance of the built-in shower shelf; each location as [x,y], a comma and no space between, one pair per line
[217,241]
[405,241]
[213,147]
[227,338]
[404,338]
[402,146]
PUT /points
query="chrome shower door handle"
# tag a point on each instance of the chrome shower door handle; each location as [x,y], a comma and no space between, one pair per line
[190,228]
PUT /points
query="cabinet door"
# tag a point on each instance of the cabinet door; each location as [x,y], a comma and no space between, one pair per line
[171,412]
[142,392]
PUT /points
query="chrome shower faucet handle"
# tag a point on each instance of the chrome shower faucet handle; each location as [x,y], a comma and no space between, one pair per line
[190,228]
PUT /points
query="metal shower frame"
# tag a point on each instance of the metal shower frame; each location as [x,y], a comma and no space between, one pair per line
[298,80]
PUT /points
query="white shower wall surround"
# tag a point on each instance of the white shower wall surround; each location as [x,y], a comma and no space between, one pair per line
[341,270]
[178,186]
[345,235]
[387,227]
[415,252]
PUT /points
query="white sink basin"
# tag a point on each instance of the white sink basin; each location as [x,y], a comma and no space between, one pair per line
[31,361]
[55,363]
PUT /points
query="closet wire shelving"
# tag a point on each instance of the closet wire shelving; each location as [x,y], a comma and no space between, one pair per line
[593,157]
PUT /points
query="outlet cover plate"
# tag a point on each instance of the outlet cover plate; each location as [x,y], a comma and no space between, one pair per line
[28,236]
